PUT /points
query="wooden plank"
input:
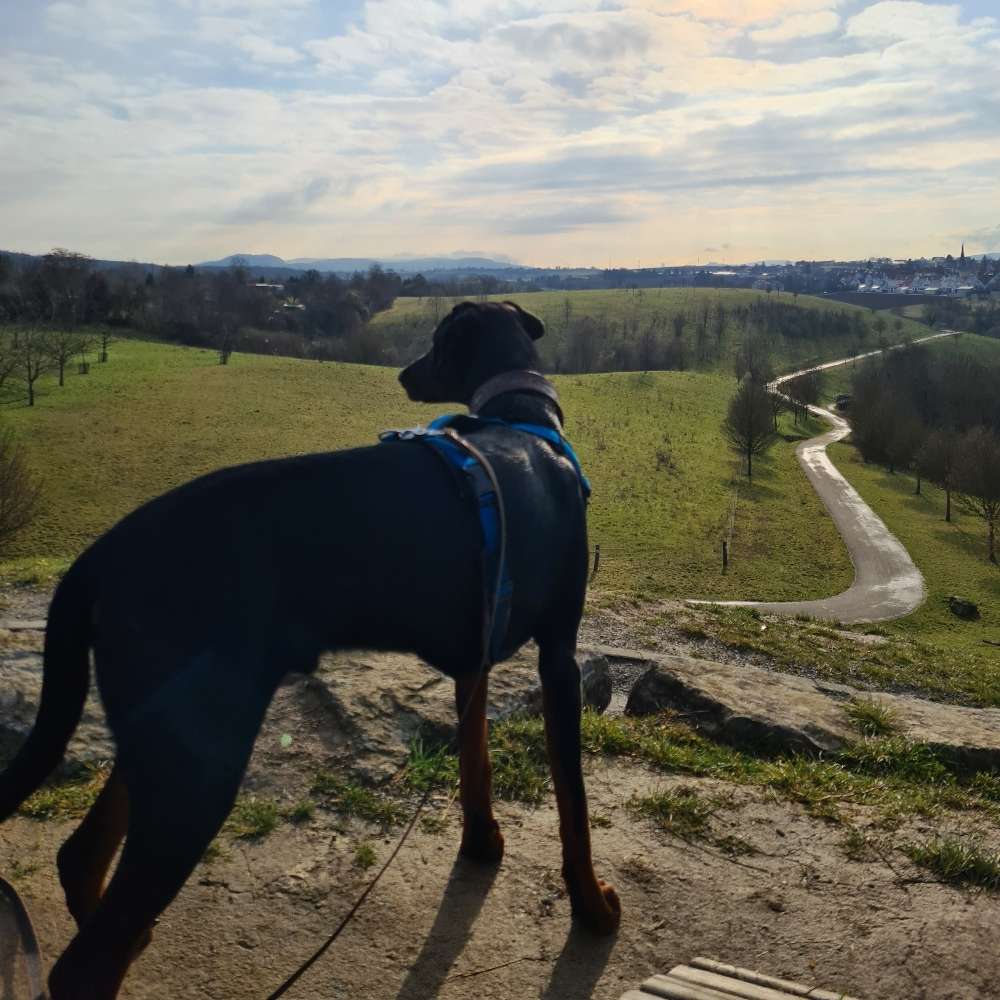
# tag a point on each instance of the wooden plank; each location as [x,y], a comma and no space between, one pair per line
[736,987]
[705,979]
[676,989]
[672,988]
[749,976]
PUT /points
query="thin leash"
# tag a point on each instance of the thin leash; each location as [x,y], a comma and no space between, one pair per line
[489,617]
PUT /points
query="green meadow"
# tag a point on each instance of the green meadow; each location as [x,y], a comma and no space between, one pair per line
[666,490]
[952,558]
[410,320]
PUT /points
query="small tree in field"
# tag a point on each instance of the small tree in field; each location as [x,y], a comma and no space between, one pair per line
[105,338]
[18,492]
[34,358]
[977,480]
[748,426]
[936,461]
[63,346]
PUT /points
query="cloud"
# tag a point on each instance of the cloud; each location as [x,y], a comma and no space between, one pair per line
[281,204]
[263,50]
[106,21]
[741,12]
[654,126]
[798,26]
[561,220]
[910,19]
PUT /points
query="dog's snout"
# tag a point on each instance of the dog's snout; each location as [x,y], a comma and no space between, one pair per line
[417,379]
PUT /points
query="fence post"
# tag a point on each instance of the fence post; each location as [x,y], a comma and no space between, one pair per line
[725,555]
[597,562]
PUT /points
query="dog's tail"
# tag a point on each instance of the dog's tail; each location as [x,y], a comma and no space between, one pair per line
[65,681]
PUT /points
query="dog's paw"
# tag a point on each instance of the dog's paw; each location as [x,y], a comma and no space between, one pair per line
[602,913]
[482,842]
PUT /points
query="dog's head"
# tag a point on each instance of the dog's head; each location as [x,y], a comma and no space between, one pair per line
[473,343]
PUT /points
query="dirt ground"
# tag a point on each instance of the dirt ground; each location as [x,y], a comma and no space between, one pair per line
[796,907]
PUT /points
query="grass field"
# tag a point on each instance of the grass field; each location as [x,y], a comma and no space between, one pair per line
[952,558]
[410,320]
[156,415]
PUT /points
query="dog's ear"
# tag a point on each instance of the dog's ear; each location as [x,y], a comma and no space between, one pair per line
[533,326]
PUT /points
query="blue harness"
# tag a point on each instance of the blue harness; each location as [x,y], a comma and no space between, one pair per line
[441,436]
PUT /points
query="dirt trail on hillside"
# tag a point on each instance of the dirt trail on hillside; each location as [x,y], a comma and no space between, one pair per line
[887,583]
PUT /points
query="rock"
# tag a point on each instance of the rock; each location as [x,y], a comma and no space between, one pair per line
[962,608]
[595,681]
[595,689]
[750,707]
[743,706]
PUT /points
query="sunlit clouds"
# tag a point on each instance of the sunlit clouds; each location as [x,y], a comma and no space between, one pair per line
[619,131]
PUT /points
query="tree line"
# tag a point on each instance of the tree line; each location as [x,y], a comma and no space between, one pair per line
[307,315]
[973,316]
[938,417]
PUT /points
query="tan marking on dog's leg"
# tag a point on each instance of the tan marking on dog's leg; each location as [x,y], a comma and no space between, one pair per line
[481,837]
[86,856]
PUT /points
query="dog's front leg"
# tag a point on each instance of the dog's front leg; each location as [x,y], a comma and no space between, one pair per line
[593,901]
[481,837]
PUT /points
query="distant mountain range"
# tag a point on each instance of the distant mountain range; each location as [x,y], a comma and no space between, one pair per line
[403,264]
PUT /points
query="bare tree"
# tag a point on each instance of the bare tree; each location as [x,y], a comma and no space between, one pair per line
[779,405]
[34,357]
[937,459]
[9,357]
[584,345]
[903,438]
[719,327]
[753,359]
[18,491]
[104,339]
[977,480]
[63,345]
[63,277]
[748,426]
[804,391]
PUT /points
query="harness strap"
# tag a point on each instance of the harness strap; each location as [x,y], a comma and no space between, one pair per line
[548,434]
[498,587]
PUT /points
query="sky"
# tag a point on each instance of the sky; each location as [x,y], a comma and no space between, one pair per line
[555,132]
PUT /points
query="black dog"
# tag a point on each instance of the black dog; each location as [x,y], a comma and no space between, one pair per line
[198,603]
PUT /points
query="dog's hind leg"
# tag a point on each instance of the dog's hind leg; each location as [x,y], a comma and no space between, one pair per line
[481,837]
[182,761]
[86,856]
[594,902]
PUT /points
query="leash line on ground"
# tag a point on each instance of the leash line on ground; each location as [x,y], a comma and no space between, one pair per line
[494,968]
[321,950]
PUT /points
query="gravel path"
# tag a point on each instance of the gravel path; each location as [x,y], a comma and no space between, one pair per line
[887,583]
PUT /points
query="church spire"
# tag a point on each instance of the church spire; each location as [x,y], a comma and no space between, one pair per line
[962,258]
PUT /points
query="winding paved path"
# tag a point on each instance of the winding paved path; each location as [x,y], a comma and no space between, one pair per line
[887,583]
